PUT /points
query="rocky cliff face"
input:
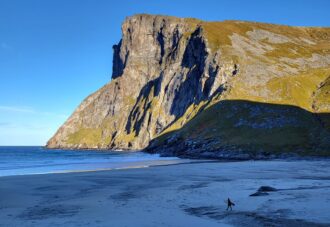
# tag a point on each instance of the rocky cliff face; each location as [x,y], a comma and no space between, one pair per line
[167,70]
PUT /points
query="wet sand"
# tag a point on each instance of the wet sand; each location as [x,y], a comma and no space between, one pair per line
[191,194]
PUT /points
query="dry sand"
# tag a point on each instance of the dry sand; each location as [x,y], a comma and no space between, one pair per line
[175,195]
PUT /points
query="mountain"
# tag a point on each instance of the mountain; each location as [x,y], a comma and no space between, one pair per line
[187,87]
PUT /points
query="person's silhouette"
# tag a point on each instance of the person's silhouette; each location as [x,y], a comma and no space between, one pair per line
[230,204]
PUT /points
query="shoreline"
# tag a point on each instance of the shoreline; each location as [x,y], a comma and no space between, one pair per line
[191,193]
[179,161]
[120,166]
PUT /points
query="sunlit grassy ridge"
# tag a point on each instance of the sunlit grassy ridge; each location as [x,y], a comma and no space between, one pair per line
[295,90]
[219,35]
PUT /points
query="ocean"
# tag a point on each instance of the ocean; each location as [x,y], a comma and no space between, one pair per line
[39,160]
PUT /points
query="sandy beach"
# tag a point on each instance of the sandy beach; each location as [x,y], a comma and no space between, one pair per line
[190,194]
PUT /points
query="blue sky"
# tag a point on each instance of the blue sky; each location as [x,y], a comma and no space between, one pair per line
[53,53]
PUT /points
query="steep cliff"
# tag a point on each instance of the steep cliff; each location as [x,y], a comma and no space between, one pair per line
[168,71]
